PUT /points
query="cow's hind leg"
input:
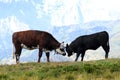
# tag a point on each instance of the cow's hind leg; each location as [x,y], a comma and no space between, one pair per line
[106,48]
[40,55]
[82,56]
[47,55]
[18,53]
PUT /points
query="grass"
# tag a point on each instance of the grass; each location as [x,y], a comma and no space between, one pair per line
[90,70]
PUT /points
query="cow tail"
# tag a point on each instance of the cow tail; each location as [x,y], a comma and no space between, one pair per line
[13,52]
[108,45]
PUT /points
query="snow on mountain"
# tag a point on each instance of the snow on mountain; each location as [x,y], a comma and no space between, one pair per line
[115,45]
[68,18]
[7,27]
[61,12]
[63,33]
[69,33]
[102,10]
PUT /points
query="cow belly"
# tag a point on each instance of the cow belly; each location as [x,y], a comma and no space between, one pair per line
[93,47]
[29,47]
[46,51]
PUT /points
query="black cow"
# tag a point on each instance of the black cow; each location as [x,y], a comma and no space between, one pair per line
[33,39]
[93,41]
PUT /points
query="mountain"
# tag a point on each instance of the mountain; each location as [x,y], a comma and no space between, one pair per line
[7,27]
[67,34]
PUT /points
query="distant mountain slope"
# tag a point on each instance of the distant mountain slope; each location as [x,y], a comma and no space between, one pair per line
[67,34]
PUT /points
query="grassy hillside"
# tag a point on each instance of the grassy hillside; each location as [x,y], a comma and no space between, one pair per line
[91,70]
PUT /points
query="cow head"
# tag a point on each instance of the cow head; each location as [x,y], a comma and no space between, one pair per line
[61,49]
[69,50]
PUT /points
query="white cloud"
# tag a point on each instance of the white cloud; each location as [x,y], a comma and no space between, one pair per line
[62,12]
[12,24]
[40,13]
[10,1]
[22,12]
[100,10]
[6,1]
[9,25]
[67,12]
[115,46]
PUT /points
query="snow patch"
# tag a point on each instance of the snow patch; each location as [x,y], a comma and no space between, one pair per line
[7,61]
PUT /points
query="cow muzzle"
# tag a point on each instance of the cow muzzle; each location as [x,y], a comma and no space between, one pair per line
[59,51]
[70,54]
[64,54]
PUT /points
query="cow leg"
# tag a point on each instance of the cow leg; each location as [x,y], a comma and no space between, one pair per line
[106,48]
[40,55]
[77,56]
[47,55]
[82,56]
[18,53]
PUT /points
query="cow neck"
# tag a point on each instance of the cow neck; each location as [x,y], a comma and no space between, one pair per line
[72,48]
[55,46]
[55,43]
[58,45]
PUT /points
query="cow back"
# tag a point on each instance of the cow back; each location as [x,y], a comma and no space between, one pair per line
[33,38]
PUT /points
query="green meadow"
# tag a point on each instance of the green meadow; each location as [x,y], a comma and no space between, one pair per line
[88,70]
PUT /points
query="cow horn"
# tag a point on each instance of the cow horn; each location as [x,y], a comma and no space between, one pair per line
[66,45]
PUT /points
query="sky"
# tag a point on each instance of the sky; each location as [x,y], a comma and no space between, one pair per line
[42,14]
[48,15]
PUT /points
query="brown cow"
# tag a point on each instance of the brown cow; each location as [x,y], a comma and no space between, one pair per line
[33,39]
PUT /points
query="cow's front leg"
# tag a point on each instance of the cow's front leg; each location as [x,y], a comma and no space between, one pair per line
[39,55]
[17,58]
[77,55]
[47,55]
